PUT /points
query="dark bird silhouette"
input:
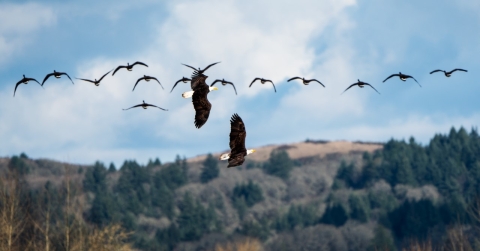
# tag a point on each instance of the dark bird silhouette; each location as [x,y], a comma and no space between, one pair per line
[402,77]
[146,78]
[144,106]
[200,71]
[57,75]
[128,66]
[237,154]
[184,80]
[305,81]
[95,82]
[199,99]
[224,83]
[24,80]
[448,73]
[263,81]
[361,85]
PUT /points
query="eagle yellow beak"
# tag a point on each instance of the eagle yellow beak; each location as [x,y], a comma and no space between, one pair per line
[215,88]
[253,150]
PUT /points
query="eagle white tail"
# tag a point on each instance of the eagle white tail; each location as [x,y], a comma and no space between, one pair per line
[188,94]
[224,156]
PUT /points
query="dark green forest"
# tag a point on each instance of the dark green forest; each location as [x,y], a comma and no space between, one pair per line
[406,192]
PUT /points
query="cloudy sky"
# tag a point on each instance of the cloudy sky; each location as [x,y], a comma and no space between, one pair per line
[335,41]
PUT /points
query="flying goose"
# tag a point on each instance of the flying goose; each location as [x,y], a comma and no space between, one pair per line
[263,81]
[56,74]
[224,82]
[144,106]
[146,78]
[305,81]
[200,71]
[361,85]
[128,66]
[448,73]
[184,80]
[402,77]
[95,82]
[24,80]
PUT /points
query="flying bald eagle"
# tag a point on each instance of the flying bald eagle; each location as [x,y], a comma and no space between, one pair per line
[195,82]
[237,154]
[199,99]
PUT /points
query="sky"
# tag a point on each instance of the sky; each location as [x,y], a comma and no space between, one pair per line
[334,41]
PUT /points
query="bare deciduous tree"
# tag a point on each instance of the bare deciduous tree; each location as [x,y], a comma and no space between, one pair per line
[12,218]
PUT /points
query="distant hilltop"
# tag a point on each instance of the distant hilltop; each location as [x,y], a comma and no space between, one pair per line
[308,148]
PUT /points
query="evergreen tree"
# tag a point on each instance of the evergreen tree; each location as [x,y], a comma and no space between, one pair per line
[370,172]
[254,229]
[383,240]
[18,165]
[301,216]
[154,163]
[131,189]
[347,174]
[188,220]
[358,209]
[335,215]
[454,211]
[403,172]
[414,219]
[102,212]
[210,169]
[250,192]
[382,200]
[241,207]
[194,220]
[279,164]
[95,178]
[162,197]
[169,237]
[112,168]
[173,175]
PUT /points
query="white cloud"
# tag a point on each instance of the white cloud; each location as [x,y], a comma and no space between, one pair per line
[251,40]
[19,21]
[24,18]
[421,127]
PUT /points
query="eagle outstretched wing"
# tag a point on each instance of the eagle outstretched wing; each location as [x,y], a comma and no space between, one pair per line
[237,141]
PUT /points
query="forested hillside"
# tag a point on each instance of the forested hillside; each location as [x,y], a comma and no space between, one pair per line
[383,197]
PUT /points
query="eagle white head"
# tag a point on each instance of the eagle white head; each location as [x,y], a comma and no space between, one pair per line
[226,156]
[189,94]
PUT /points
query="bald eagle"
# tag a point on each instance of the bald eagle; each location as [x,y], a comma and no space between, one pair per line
[199,99]
[237,154]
